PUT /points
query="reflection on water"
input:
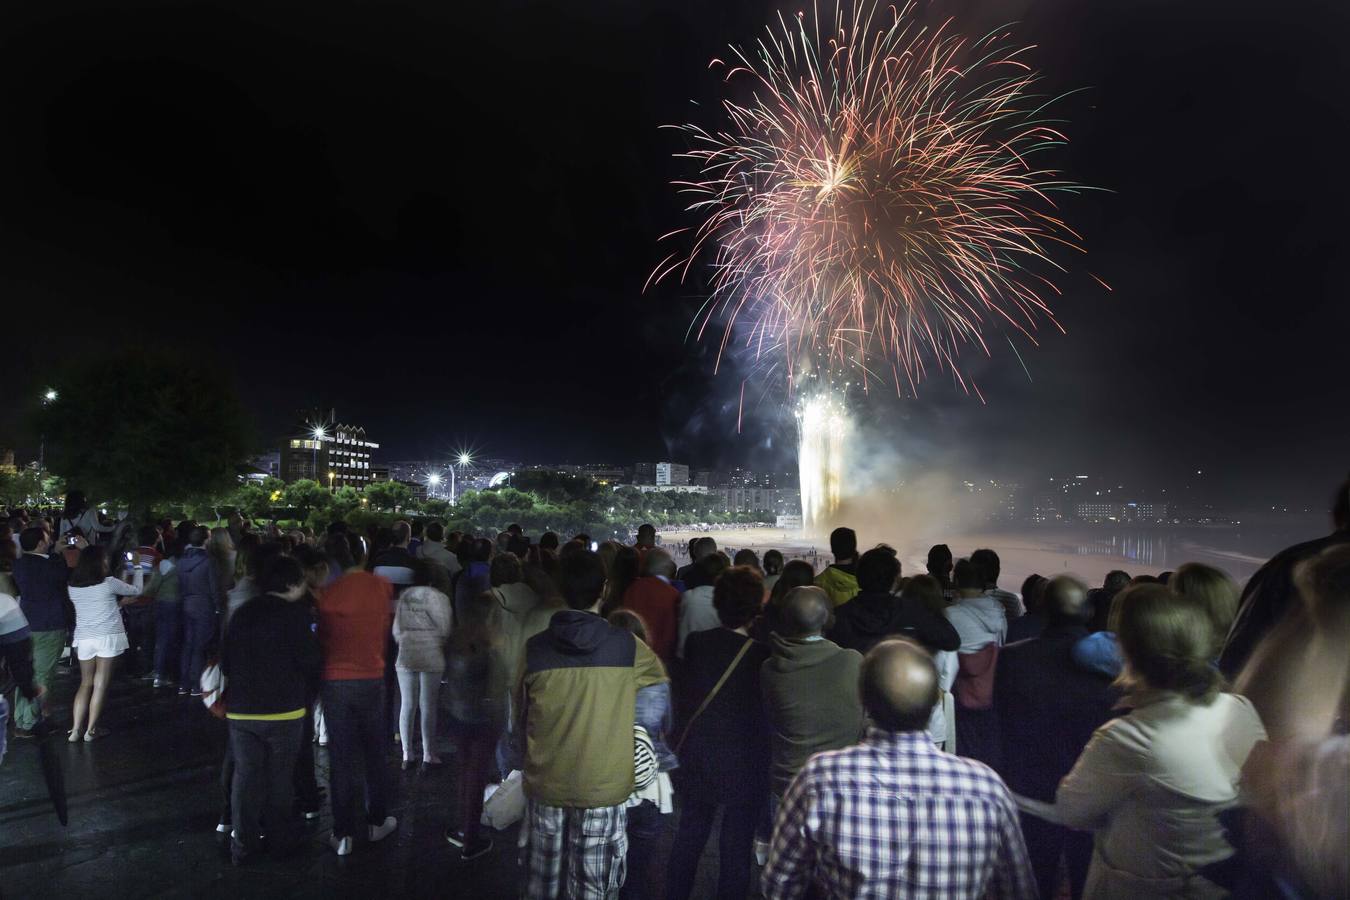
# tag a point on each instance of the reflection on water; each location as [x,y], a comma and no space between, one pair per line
[1156,551]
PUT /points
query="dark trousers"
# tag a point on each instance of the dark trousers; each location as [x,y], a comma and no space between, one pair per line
[645,824]
[1045,844]
[199,627]
[475,745]
[977,736]
[357,737]
[306,784]
[264,758]
[227,780]
[140,625]
[734,847]
[168,625]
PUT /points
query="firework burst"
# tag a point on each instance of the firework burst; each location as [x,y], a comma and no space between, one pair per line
[874,202]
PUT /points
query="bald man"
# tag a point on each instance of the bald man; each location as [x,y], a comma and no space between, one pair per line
[893,816]
[1047,708]
[810,687]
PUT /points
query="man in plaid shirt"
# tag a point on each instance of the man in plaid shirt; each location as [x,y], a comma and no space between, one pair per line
[893,816]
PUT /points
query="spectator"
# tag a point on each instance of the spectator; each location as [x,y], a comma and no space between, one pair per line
[623,570]
[839,580]
[421,626]
[354,628]
[773,567]
[810,687]
[395,563]
[982,624]
[797,573]
[16,652]
[1032,622]
[698,548]
[893,817]
[549,541]
[746,557]
[1151,784]
[99,636]
[415,531]
[433,549]
[1214,590]
[697,612]
[41,577]
[247,568]
[724,750]
[271,662]
[476,576]
[1047,710]
[646,537]
[658,603]
[9,552]
[1099,651]
[201,596]
[575,706]
[522,611]
[220,547]
[652,800]
[1271,592]
[80,517]
[987,564]
[1099,599]
[477,686]
[940,565]
[877,613]
[925,591]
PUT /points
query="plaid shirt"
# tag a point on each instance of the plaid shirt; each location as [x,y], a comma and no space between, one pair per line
[894,817]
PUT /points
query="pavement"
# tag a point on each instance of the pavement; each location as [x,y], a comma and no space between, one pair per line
[145,801]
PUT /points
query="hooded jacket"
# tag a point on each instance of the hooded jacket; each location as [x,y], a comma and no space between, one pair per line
[575,707]
[979,621]
[197,577]
[421,625]
[873,615]
[840,582]
[811,700]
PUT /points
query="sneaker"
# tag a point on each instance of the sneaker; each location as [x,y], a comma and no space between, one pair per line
[761,851]
[311,814]
[383,830]
[223,827]
[182,692]
[454,837]
[341,846]
[23,732]
[476,849]
[195,692]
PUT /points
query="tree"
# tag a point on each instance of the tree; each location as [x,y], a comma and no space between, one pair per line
[305,495]
[390,495]
[22,488]
[346,501]
[252,499]
[146,430]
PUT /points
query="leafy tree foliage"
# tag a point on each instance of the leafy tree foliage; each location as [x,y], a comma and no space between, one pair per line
[145,430]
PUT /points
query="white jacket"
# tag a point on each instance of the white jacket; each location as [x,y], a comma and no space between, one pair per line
[421,626]
[1151,785]
[979,620]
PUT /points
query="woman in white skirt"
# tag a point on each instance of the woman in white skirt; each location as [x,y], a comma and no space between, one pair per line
[99,635]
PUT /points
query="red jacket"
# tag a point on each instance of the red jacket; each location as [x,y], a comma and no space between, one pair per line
[659,606]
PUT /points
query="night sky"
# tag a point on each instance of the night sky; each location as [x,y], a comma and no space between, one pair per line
[439,217]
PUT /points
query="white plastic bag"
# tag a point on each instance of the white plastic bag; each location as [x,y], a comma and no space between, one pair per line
[506,806]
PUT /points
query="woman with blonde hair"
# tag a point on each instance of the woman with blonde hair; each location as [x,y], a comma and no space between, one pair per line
[1215,591]
[1151,784]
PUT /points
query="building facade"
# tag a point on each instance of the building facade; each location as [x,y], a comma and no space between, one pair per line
[335,456]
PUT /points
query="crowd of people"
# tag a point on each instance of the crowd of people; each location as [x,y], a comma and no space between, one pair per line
[862,731]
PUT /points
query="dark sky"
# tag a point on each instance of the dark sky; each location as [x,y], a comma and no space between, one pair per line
[439,217]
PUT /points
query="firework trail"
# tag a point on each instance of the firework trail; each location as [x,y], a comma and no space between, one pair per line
[875,200]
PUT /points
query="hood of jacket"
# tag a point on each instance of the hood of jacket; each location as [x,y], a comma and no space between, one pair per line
[795,654]
[872,613]
[577,631]
[193,562]
[986,610]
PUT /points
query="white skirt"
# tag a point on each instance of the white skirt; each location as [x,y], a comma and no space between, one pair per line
[109,645]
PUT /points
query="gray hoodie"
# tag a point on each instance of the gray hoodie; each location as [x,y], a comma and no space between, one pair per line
[979,620]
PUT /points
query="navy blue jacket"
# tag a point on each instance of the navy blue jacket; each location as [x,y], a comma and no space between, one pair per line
[43,595]
[197,577]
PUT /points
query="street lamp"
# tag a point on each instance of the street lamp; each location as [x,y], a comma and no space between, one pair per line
[331,476]
[319,436]
[48,396]
[434,479]
[464,459]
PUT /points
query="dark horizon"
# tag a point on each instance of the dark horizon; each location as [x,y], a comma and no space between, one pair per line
[439,222]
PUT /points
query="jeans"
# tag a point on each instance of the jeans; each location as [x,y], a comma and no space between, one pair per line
[168,636]
[645,824]
[735,844]
[199,627]
[354,710]
[418,689]
[264,760]
[46,653]
[140,626]
[1045,843]
[306,784]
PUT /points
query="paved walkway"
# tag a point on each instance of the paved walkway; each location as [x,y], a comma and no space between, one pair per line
[144,803]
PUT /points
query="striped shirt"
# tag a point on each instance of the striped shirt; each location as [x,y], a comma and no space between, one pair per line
[894,817]
[96,611]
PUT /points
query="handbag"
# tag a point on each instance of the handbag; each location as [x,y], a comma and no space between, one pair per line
[711,694]
[213,688]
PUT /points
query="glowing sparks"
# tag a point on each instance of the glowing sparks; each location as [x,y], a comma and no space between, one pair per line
[825,433]
[875,201]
